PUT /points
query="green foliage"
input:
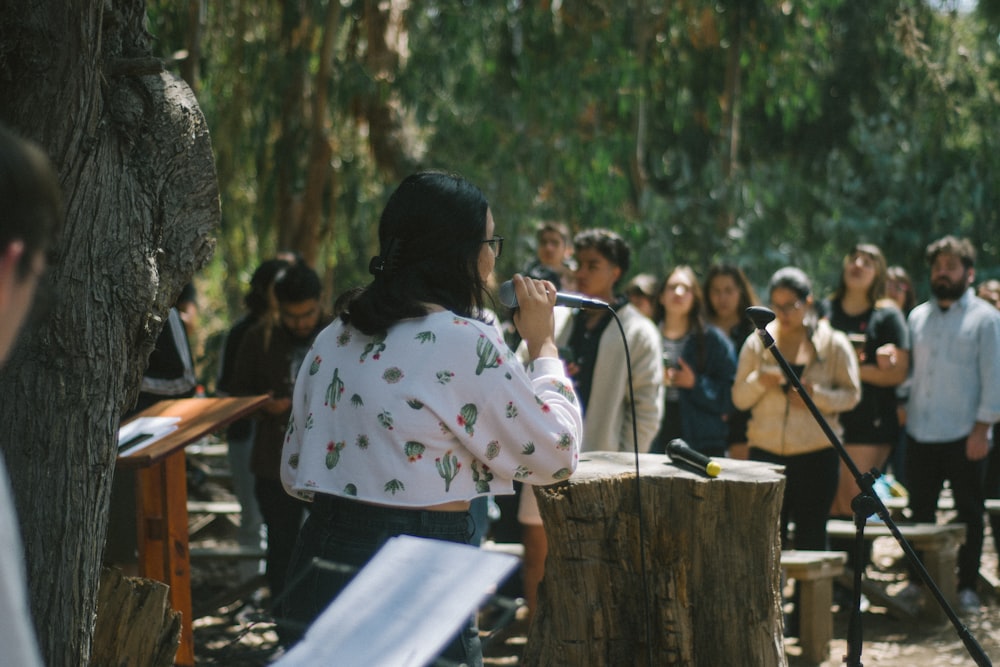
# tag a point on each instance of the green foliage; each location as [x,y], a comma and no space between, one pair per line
[756,132]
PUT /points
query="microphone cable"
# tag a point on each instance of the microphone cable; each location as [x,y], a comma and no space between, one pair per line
[638,493]
[508,300]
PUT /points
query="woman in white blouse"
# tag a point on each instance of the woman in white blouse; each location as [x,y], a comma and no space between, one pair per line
[409,406]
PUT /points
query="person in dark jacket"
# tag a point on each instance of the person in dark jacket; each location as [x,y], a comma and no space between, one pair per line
[268,362]
[699,364]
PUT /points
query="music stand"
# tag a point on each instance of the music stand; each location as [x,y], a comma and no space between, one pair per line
[404,605]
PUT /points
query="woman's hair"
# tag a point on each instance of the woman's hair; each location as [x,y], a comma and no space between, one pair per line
[430,237]
[796,281]
[257,297]
[695,317]
[747,295]
[899,274]
[876,290]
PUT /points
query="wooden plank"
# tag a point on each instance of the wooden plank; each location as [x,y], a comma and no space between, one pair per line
[213,507]
[228,552]
[815,572]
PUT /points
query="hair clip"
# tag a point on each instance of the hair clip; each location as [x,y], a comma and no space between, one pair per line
[384,264]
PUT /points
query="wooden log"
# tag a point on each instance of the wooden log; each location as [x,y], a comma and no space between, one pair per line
[135,625]
[712,566]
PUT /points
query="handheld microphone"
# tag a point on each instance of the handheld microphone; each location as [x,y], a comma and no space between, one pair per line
[509,299]
[680,450]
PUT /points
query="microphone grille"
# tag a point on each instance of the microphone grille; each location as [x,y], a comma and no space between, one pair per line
[507,296]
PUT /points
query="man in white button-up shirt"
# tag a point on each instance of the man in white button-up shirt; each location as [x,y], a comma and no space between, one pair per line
[954,400]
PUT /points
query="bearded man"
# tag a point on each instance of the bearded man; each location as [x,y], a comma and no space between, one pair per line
[954,401]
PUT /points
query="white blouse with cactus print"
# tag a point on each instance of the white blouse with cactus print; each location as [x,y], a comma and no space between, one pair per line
[435,411]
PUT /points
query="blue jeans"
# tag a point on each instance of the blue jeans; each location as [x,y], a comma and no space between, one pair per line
[347,532]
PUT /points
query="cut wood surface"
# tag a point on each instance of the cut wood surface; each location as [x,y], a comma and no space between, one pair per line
[710,577]
[135,624]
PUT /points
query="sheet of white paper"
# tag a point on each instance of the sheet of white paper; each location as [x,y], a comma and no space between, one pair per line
[144,431]
[404,606]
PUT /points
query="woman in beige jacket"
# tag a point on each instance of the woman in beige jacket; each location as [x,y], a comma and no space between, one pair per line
[781,428]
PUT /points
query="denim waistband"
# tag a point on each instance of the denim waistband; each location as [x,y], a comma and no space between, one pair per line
[345,511]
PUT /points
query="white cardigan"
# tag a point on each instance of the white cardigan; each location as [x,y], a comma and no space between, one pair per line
[607,423]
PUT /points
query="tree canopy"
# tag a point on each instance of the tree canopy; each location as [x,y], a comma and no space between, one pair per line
[757,133]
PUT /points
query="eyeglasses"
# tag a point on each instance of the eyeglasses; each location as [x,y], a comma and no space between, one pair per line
[496,245]
[787,307]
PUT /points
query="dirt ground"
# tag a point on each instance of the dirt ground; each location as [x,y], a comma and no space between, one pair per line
[232,626]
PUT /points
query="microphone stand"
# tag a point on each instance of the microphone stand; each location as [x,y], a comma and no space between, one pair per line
[863,505]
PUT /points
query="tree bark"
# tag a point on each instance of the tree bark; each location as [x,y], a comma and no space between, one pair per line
[135,163]
[707,566]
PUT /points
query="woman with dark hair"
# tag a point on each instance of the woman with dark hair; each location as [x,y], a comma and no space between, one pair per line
[261,304]
[698,368]
[410,406]
[729,294]
[899,288]
[881,339]
[782,430]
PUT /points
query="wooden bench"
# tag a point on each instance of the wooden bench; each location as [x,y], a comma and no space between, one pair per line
[938,545]
[201,514]
[237,552]
[815,572]
[213,507]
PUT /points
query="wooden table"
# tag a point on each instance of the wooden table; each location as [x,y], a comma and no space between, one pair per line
[161,496]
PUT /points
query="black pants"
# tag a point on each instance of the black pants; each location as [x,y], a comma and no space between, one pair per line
[928,465]
[283,515]
[346,532]
[810,486]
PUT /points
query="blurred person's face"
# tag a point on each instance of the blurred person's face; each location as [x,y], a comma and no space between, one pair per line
[551,248]
[789,308]
[16,293]
[949,277]
[641,302]
[724,295]
[488,253]
[896,290]
[677,296]
[300,318]
[596,275]
[859,272]
[990,295]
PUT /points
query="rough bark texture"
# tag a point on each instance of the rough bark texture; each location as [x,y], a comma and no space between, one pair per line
[135,625]
[712,566]
[135,162]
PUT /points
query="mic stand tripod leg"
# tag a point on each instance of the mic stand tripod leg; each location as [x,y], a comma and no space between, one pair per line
[863,506]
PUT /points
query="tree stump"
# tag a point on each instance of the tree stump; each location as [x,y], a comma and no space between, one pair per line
[135,624]
[712,566]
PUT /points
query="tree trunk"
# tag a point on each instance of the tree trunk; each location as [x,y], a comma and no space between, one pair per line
[135,164]
[135,625]
[711,566]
